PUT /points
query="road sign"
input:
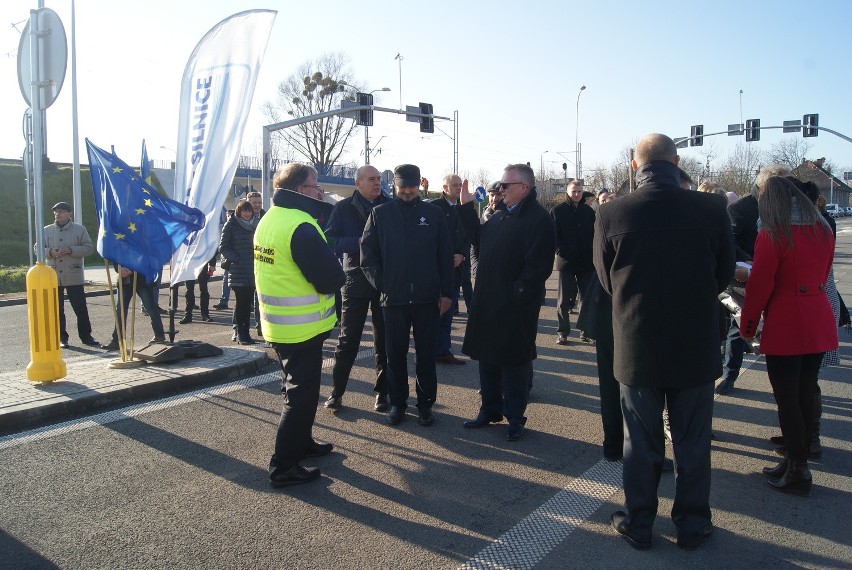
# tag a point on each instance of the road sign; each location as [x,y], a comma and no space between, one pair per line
[680,142]
[52,59]
[480,194]
[792,126]
[735,129]
[409,117]
[345,104]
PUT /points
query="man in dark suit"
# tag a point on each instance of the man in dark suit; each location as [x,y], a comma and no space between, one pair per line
[575,225]
[664,254]
[743,214]
[345,227]
[516,252]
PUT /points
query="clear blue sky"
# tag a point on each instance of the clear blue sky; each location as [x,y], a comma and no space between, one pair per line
[511,69]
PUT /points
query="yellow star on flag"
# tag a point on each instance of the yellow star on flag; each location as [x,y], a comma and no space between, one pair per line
[116,169]
[119,236]
[140,211]
[132,227]
[148,203]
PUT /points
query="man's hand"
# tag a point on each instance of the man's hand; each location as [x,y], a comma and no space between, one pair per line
[741,273]
[444,304]
[457,259]
[466,195]
[424,184]
[125,272]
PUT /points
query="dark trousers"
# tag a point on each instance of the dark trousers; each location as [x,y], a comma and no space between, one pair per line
[353,317]
[301,371]
[794,384]
[504,389]
[189,294]
[466,285]
[399,322]
[245,296]
[734,349]
[571,281]
[77,298]
[445,327]
[145,293]
[690,418]
[610,391]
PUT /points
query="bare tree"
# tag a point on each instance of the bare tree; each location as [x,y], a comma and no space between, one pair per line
[740,168]
[315,87]
[791,152]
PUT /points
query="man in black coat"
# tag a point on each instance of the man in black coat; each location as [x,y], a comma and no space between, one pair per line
[575,227]
[344,229]
[744,215]
[516,252]
[664,254]
[407,254]
[449,202]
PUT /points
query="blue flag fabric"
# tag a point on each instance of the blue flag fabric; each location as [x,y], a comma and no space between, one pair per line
[139,228]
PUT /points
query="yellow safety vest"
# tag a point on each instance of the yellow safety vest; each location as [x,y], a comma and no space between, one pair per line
[291,309]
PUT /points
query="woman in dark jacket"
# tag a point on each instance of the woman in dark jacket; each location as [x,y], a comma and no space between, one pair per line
[237,249]
[792,258]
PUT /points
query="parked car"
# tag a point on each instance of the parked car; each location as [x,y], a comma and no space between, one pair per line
[849,210]
[834,210]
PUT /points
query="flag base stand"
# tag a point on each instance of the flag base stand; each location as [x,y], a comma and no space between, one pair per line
[162,352]
[125,364]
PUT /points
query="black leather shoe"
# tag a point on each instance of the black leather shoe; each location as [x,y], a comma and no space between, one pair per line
[333,403]
[111,346]
[318,449]
[220,306]
[516,430]
[159,338]
[796,479]
[186,320]
[381,404]
[482,420]
[425,417]
[694,541]
[90,342]
[777,471]
[63,342]
[450,359]
[294,476]
[617,522]
[777,439]
[562,339]
[395,415]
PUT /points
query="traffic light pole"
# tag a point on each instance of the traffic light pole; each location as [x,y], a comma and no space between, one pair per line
[269,129]
[683,140]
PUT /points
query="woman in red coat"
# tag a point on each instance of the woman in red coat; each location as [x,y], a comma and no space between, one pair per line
[792,256]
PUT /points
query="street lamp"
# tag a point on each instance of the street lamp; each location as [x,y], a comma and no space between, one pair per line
[577,133]
[367,131]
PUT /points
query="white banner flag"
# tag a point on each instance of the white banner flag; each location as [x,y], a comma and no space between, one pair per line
[216,93]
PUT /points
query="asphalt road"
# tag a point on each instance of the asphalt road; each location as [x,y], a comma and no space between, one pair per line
[182,484]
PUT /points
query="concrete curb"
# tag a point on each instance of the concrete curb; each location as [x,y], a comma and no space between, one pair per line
[151,382]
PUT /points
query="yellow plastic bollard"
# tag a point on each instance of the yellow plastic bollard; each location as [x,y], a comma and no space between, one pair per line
[46,364]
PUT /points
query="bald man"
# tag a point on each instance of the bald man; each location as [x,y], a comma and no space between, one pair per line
[664,255]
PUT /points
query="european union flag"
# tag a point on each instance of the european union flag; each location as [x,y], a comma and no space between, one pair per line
[139,228]
[145,165]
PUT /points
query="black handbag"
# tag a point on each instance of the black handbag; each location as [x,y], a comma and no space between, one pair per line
[844,320]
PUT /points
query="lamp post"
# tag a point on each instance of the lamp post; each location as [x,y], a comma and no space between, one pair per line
[367,131]
[577,134]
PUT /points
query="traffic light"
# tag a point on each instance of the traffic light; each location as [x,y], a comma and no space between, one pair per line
[752,129]
[809,124]
[696,135]
[365,118]
[427,124]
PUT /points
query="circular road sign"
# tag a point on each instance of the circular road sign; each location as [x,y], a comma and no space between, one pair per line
[53,57]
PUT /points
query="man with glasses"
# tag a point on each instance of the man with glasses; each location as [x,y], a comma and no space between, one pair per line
[407,255]
[575,227]
[516,249]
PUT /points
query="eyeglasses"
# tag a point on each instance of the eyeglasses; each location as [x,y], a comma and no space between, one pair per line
[505,185]
[316,187]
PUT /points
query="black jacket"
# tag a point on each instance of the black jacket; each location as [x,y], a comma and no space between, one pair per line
[463,224]
[345,228]
[664,254]
[406,253]
[516,252]
[575,230]
[237,246]
[744,215]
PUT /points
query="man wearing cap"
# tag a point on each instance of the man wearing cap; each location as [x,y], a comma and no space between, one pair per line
[495,201]
[575,227]
[66,243]
[407,255]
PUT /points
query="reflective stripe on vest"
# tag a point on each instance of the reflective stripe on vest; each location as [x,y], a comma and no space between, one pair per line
[304,300]
[297,319]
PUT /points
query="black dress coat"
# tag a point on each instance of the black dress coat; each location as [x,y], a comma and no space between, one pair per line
[664,254]
[516,252]
[744,217]
[237,246]
[575,230]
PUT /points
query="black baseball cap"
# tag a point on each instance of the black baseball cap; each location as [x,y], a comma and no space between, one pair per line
[62,206]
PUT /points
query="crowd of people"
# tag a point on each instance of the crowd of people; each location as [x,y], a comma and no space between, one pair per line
[634,265]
